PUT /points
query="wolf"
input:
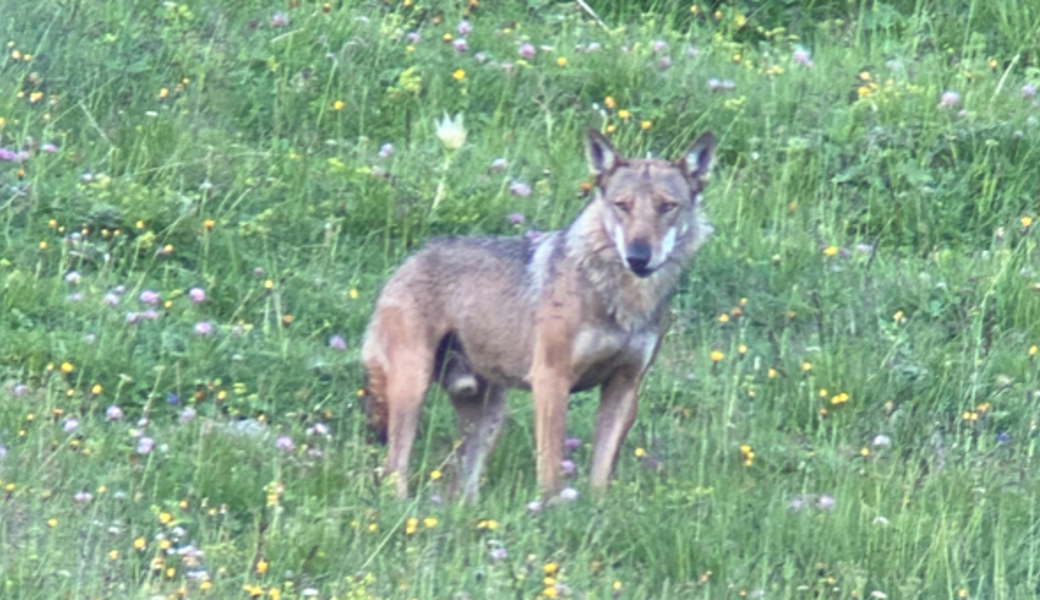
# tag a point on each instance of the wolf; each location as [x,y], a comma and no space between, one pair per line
[555,313]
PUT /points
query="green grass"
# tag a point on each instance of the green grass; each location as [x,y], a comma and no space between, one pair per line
[871,246]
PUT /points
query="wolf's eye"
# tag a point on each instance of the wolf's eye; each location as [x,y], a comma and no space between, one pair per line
[622,206]
[667,207]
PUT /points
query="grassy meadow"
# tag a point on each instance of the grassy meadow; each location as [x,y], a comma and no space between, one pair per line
[200,200]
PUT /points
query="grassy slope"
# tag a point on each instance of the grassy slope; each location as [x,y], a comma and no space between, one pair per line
[230,154]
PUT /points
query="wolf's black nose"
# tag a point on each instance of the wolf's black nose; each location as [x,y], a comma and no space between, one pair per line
[638,256]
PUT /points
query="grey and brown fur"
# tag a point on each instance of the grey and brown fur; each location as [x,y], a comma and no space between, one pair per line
[562,312]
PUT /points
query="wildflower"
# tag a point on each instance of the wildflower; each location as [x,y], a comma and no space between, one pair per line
[21,389]
[411,525]
[499,164]
[526,51]
[463,27]
[67,367]
[197,295]
[571,443]
[498,554]
[96,389]
[261,566]
[747,455]
[279,19]
[187,415]
[49,148]
[429,522]
[75,297]
[451,131]
[561,61]
[203,328]
[825,502]
[569,494]
[145,445]
[284,443]
[830,251]
[881,440]
[519,189]
[435,474]
[113,413]
[717,356]
[609,102]
[82,497]
[567,466]
[534,506]
[623,114]
[949,99]
[460,46]
[149,297]
[645,125]
[664,62]
[516,218]
[489,524]
[801,57]
[1028,91]
[338,105]
[337,342]
[1026,221]
[110,299]
[459,74]
[806,365]
[386,150]
[659,46]
[73,277]
[413,37]
[1032,351]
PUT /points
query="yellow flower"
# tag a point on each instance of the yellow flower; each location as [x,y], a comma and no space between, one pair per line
[113,554]
[268,284]
[261,566]
[97,389]
[864,452]
[841,398]
[67,367]
[806,366]
[459,74]
[274,593]
[353,293]
[551,568]
[1032,350]
[772,373]
[1026,221]
[254,591]
[435,475]
[165,518]
[609,102]
[617,586]
[429,522]
[644,125]
[723,318]
[561,61]
[489,524]
[717,355]
[52,522]
[898,316]
[411,525]
[337,105]
[447,37]
[139,543]
[623,114]
[205,585]
[747,455]
[830,251]
[549,592]
[741,349]
[640,452]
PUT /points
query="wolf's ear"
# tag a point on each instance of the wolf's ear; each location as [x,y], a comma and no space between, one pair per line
[602,156]
[696,161]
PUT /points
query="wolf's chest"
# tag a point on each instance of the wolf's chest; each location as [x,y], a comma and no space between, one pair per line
[600,351]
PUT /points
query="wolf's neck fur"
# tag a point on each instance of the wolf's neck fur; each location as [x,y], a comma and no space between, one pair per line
[633,302]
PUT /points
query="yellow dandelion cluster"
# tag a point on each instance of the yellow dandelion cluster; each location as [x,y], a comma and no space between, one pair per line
[747,455]
[839,399]
[489,524]
[717,356]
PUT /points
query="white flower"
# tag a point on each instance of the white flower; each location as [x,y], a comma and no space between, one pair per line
[451,131]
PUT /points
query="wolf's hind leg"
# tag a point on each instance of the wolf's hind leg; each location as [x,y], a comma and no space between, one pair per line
[480,420]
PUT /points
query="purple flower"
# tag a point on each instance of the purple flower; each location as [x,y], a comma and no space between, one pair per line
[119,289]
[516,218]
[20,389]
[499,164]
[279,19]
[664,62]
[463,27]
[203,328]
[149,315]
[498,554]
[337,342]
[659,46]
[132,318]
[801,57]
[70,425]
[197,295]
[949,99]
[284,443]
[567,466]
[73,277]
[172,399]
[520,189]
[113,413]
[145,445]
[149,297]
[460,45]
[318,429]
[526,51]
[187,415]
[386,150]
[572,443]
[413,37]
[569,494]
[110,299]
[49,148]
[12,156]
[1028,91]
[82,497]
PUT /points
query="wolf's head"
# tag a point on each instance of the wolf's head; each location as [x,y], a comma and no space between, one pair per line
[650,206]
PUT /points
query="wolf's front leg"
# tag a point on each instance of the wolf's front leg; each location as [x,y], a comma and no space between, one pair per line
[617,412]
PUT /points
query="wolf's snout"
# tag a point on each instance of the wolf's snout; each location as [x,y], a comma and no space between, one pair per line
[638,255]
